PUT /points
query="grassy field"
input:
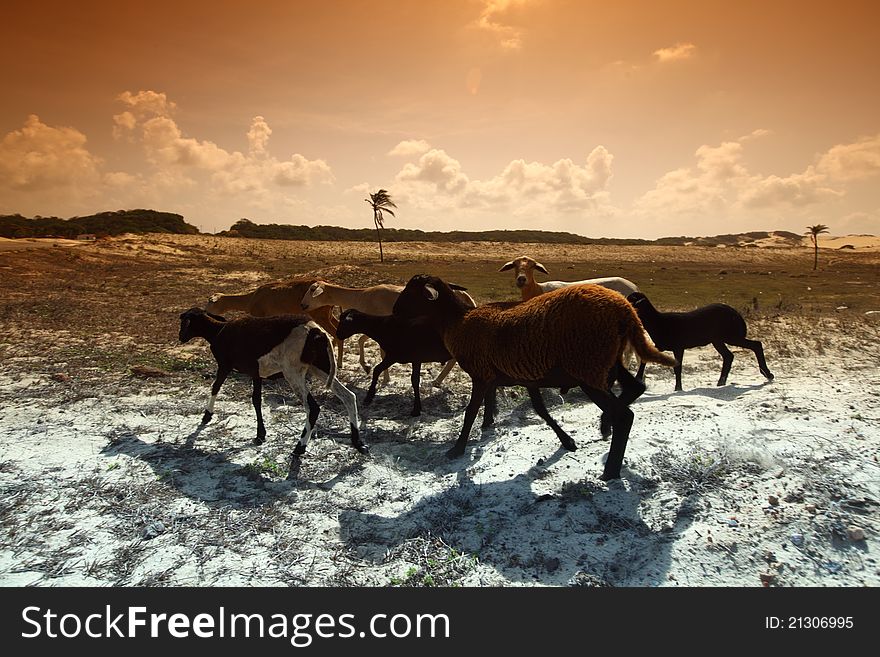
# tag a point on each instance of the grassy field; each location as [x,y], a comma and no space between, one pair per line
[133,288]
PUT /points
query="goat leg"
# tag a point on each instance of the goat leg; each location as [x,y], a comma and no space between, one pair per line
[257,399]
[538,404]
[478,392]
[222,373]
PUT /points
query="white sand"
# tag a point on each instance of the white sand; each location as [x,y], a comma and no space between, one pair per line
[720,485]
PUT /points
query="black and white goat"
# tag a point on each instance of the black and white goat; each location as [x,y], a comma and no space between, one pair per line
[402,339]
[717,324]
[262,346]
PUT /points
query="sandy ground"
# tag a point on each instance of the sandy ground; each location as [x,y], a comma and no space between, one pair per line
[107,478]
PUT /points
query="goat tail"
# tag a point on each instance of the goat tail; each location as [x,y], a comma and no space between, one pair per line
[645,349]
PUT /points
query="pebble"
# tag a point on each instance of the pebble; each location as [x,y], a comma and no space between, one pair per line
[153,530]
[797,540]
[767,578]
[811,508]
[773,500]
[855,533]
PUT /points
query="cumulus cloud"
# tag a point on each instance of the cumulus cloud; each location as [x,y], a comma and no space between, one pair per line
[41,157]
[147,102]
[177,156]
[720,183]
[410,147]
[258,136]
[855,161]
[493,20]
[437,180]
[798,189]
[675,53]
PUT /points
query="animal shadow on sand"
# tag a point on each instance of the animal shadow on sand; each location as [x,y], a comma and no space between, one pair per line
[213,477]
[584,533]
[727,392]
[420,444]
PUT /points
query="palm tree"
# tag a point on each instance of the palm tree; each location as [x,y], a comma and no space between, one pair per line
[380,202]
[814,232]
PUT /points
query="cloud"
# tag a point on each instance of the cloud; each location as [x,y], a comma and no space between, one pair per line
[855,161]
[755,134]
[258,136]
[147,102]
[798,189]
[437,181]
[176,156]
[720,184]
[410,147]
[436,169]
[40,157]
[492,19]
[675,53]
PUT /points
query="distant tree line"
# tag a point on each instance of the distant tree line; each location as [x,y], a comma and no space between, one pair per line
[100,225]
[246,228]
[153,221]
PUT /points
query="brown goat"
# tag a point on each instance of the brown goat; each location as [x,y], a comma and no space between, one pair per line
[574,336]
[278,298]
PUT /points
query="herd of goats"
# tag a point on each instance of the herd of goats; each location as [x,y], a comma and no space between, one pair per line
[561,335]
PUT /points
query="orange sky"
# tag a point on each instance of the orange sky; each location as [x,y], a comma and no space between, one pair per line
[622,119]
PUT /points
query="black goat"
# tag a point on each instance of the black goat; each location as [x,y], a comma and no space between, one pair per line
[717,324]
[402,339]
[262,346]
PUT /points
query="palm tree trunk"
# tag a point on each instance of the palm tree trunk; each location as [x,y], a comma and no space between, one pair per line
[815,252]
[379,237]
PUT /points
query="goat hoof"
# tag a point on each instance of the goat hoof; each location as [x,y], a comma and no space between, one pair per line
[207,417]
[455,452]
[259,440]
[678,389]
[768,374]
[608,476]
[362,448]
[299,450]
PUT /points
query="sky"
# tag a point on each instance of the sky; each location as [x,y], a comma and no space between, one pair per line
[605,119]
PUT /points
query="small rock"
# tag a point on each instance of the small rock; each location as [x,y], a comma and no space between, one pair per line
[811,508]
[797,539]
[153,530]
[61,377]
[855,533]
[552,565]
[767,578]
[773,500]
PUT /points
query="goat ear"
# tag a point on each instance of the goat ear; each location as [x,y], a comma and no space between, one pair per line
[453,286]
[541,267]
[432,293]
[317,291]
[509,265]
